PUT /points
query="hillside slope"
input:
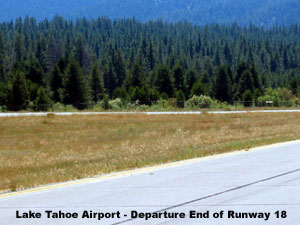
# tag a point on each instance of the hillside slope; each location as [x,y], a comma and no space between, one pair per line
[202,12]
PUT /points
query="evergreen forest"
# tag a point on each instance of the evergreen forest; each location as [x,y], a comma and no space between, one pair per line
[125,63]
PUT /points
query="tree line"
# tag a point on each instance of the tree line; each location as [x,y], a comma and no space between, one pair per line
[88,61]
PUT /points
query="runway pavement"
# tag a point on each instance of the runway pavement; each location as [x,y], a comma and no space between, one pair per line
[257,183]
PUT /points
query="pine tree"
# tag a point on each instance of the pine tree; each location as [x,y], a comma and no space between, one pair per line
[42,102]
[137,75]
[68,47]
[5,90]
[178,75]
[286,59]
[240,69]
[56,83]
[246,82]
[150,56]
[119,68]
[144,48]
[79,52]
[41,53]
[3,76]
[121,93]
[189,80]
[35,72]
[76,89]
[53,53]
[180,99]
[164,81]
[20,95]
[63,63]
[110,80]
[81,55]
[223,87]
[19,47]
[247,98]
[207,84]
[198,89]
[227,54]
[294,86]
[141,94]
[217,58]
[256,77]
[97,84]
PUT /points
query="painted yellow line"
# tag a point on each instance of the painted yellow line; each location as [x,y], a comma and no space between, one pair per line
[139,171]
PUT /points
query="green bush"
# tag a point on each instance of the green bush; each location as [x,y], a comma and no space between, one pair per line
[98,106]
[262,101]
[70,108]
[286,97]
[143,107]
[287,103]
[197,102]
[223,105]
[130,105]
[30,106]
[58,107]
[296,101]
[2,108]
[162,104]
[115,104]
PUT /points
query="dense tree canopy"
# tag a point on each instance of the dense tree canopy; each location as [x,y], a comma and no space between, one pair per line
[91,60]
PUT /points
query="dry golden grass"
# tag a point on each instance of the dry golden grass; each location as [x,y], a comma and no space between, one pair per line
[42,150]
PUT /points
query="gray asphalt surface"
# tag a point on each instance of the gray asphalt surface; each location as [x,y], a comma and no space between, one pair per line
[143,113]
[264,180]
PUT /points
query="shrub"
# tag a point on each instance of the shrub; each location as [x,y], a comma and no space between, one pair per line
[201,101]
[296,101]
[262,101]
[2,108]
[130,105]
[286,97]
[115,104]
[30,106]
[70,108]
[143,107]
[58,107]
[223,105]
[285,94]
[98,106]
[162,104]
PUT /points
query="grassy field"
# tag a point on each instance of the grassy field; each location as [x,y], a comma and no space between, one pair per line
[42,150]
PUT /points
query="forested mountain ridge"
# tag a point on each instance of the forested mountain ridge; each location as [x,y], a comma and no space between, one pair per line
[92,60]
[201,12]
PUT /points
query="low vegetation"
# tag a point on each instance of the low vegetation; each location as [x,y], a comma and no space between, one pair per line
[41,150]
